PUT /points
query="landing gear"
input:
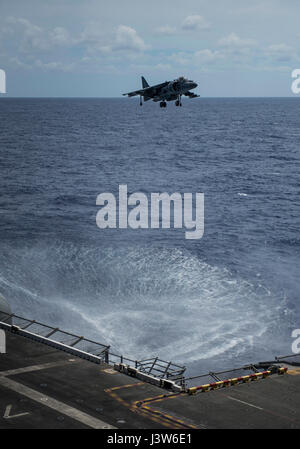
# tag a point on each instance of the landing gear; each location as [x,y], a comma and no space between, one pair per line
[141,102]
[163,104]
[178,102]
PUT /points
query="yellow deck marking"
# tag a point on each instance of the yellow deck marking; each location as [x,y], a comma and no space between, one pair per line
[141,408]
[109,371]
[127,386]
[294,372]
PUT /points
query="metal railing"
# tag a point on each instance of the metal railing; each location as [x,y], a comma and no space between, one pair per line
[100,353]
[293,359]
[88,349]
[219,376]
[162,369]
[245,370]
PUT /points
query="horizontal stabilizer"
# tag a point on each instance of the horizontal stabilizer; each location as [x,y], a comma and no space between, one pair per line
[136,92]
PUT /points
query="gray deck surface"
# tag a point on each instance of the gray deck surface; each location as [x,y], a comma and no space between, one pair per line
[45,388]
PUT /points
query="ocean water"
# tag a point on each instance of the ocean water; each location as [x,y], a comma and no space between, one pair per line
[227,299]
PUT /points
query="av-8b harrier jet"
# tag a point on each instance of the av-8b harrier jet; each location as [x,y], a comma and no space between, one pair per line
[167,91]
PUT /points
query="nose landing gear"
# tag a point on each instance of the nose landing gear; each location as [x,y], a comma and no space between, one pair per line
[163,104]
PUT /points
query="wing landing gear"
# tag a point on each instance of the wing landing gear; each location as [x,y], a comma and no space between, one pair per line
[141,102]
[163,104]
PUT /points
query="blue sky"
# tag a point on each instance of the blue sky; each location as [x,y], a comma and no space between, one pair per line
[97,48]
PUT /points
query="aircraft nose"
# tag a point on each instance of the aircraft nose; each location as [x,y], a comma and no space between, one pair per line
[194,85]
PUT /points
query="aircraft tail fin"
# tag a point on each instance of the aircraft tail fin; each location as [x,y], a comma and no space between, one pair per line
[144,83]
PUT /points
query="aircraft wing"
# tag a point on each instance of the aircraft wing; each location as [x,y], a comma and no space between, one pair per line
[191,95]
[150,91]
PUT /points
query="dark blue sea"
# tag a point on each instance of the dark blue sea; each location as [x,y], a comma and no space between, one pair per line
[227,299]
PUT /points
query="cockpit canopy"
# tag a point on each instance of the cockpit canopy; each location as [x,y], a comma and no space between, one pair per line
[182,79]
[177,84]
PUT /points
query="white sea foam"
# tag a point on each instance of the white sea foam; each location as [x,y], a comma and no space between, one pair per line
[142,301]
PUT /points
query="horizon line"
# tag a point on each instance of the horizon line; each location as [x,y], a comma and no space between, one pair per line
[121,97]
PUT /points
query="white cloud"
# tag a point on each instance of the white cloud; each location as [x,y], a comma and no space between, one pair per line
[207,56]
[194,23]
[30,37]
[194,59]
[147,68]
[280,48]
[95,47]
[123,39]
[165,30]
[233,40]
[281,53]
[190,23]
[33,46]
[180,58]
[60,36]
[17,63]
[128,39]
[54,65]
